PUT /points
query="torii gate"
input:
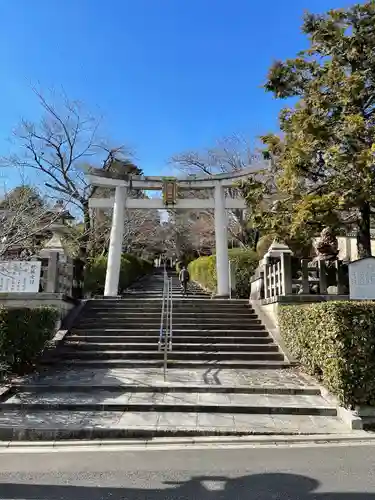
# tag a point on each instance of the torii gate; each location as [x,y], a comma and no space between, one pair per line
[122,183]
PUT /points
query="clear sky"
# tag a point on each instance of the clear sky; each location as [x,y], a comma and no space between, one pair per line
[168,75]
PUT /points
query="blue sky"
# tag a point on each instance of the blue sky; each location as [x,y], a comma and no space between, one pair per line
[167,75]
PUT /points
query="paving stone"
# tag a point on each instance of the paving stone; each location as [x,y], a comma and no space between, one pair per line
[305,424]
[49,419]
[181,398]
[54,398]
[176,420]
[207,398]
[215,420]
[328,424]
[146,397]
[254,423]
[138,419]
[104,419]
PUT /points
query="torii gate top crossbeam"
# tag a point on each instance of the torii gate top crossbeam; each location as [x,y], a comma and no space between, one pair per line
[99,177]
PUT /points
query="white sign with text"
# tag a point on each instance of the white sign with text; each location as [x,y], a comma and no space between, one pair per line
[362,279]
[19,276]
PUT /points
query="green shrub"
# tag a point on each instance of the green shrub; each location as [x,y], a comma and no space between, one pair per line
[23,335]
[335,341]
[203,270]
[245,262]
[132,267]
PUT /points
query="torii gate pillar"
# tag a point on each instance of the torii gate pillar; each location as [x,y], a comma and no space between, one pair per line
[221,239]
[112,276]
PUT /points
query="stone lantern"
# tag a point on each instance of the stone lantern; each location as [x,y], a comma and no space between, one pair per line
[59,227]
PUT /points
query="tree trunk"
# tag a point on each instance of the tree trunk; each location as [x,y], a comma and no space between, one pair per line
[85,238]
[363,232]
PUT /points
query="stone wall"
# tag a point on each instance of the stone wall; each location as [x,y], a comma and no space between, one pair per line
[32,300]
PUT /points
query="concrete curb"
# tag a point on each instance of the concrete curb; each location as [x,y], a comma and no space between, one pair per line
[353,421]
[357,438]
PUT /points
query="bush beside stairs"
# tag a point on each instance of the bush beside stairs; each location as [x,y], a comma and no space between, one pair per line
[226,376]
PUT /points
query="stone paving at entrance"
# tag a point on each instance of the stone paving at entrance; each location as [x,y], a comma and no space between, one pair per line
[113,392]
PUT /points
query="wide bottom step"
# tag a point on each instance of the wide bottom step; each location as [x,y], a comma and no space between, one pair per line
[120,363]
[50,426]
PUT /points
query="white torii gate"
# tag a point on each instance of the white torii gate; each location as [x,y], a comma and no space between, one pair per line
[121,201]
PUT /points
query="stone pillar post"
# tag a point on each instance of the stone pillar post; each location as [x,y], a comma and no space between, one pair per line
[52,272]
[115,244]
[221,239]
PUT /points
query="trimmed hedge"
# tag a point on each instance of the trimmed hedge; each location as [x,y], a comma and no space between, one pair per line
[23,335]
[132,267]
[203,270]
[335,341]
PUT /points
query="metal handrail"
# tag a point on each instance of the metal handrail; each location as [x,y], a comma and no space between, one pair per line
[166,320]
[163,300]
[170,313]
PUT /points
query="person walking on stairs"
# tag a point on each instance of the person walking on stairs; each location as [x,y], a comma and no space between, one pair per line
[184,278]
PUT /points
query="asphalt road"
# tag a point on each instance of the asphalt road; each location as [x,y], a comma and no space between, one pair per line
[329,473]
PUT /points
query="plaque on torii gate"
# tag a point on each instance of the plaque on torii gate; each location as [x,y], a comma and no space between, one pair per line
[170,190]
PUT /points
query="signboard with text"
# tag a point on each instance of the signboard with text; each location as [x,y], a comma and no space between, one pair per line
[362,279]
[19,276]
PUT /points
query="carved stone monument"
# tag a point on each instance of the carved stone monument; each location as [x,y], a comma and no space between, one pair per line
[326,247]
[362,279]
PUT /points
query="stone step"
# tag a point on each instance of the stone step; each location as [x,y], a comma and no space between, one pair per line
[171,387]
[185,304]
[175,293]
[177,318]
[178,310]
[177,339]
[172,355]
[210,402]
[104,302]
[143,363]
[100,331]
[19,425]
[139,346]
[189,314]
[177,325]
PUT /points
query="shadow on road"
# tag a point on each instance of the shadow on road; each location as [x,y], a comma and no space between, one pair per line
[252,487]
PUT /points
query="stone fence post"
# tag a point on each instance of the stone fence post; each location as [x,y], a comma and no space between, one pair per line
[52,284]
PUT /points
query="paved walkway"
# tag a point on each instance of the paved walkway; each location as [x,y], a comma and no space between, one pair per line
[117,391]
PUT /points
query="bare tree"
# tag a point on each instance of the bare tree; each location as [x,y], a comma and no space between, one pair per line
[25,220]
[57,147]
[231,154]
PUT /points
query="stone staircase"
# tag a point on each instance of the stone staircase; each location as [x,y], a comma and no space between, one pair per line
[226,376]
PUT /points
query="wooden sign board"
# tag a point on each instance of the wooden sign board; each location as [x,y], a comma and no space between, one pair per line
[20,276]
